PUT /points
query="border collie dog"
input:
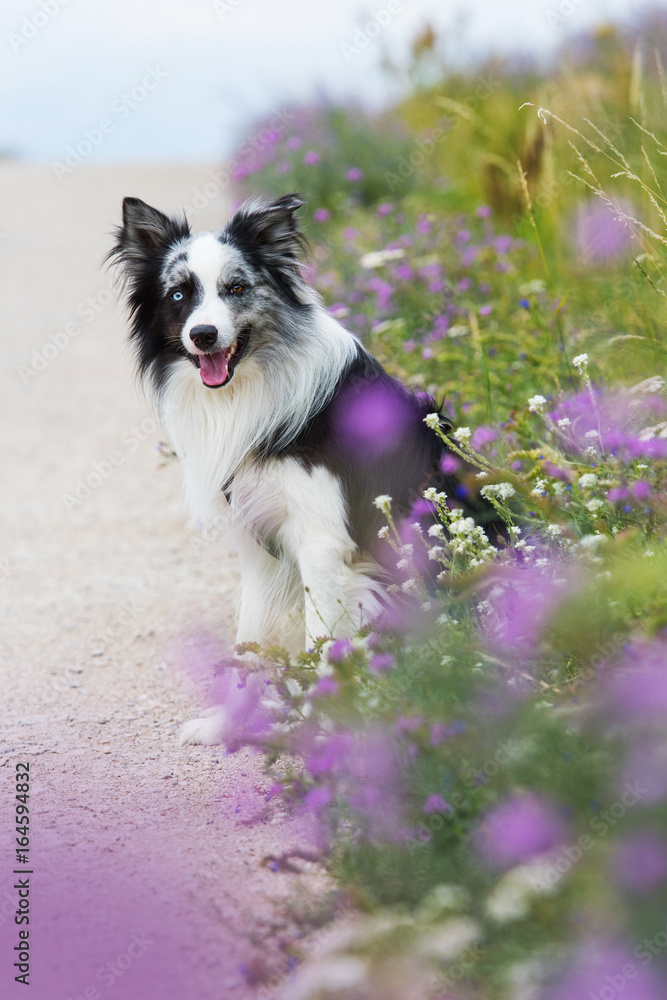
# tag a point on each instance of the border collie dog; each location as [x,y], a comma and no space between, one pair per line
[283,422]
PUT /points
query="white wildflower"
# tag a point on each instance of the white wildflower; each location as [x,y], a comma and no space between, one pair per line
[533,287]
[383,532]
[594,505]
[436,531]
[580,361]
[462,434]
[558,488]
[430,493]
[587,481]
[379,257]
[536,404]
[652,384]
[554,530]
[592,434]
[432,420]
[407,550]
[436,552]
[501,490]
[409,585]
[383,503]
[564,422]
[540,487]
[403,564]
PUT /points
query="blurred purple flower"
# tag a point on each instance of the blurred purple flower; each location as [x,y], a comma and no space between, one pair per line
[403,272]
[483,436]
[436,803]
[601,972]
[485,310]
[449,463]
[384,209]
[339,650]
[311,159]
[294,142]
[464,285]
[326,685]
[424,225]
[321,215]
[382,662]
[427,354]
[408,345]
[329,753]
[374,417]
[518,829]
[316,799]
[639,861]
[645,771]
[620,417]
[637,686]
[349,233]
[600,235]
[523,601]
[354,174]
[484,211]
[503,243]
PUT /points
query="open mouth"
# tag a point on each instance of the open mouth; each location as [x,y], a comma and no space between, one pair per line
[217,369]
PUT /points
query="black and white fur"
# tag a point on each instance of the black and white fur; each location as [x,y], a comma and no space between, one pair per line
[260,442]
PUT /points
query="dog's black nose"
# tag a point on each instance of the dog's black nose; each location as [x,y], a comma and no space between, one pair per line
[203,336]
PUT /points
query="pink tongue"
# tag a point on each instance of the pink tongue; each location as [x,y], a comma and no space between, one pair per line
[213,368]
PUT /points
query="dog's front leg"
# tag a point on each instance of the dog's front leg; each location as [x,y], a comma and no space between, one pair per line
[316,535]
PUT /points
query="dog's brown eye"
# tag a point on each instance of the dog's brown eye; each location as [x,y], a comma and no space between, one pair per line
[237,288]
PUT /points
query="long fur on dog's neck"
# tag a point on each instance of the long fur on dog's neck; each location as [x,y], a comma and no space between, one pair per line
[215,433]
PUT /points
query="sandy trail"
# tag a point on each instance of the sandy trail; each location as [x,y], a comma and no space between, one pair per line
[131,834]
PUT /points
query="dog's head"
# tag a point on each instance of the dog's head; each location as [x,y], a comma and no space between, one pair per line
[213,298]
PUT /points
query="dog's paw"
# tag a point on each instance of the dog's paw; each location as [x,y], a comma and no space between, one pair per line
[207,731]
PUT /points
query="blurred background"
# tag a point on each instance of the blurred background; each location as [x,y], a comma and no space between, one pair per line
[225,63]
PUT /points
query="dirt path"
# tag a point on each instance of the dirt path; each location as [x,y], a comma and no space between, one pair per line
[130,833]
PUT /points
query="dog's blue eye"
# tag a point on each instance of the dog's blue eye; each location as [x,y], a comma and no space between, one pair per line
[177,296]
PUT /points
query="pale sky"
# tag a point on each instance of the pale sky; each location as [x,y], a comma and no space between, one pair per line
[68,64]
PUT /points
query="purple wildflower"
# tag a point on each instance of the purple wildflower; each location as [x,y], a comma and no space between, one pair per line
[520,828]
[384,209]
[354,174]
[311,159]
[326,685]
[321,215]
[382,662]
[600,235]
[637,687]
[339,650]
[600,969]
[373,419]
[639,861]
[436,804]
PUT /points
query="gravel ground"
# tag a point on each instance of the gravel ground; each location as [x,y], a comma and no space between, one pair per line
[130,833]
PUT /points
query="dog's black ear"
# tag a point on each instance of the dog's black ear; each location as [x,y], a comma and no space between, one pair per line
[145,234]
[269,233]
